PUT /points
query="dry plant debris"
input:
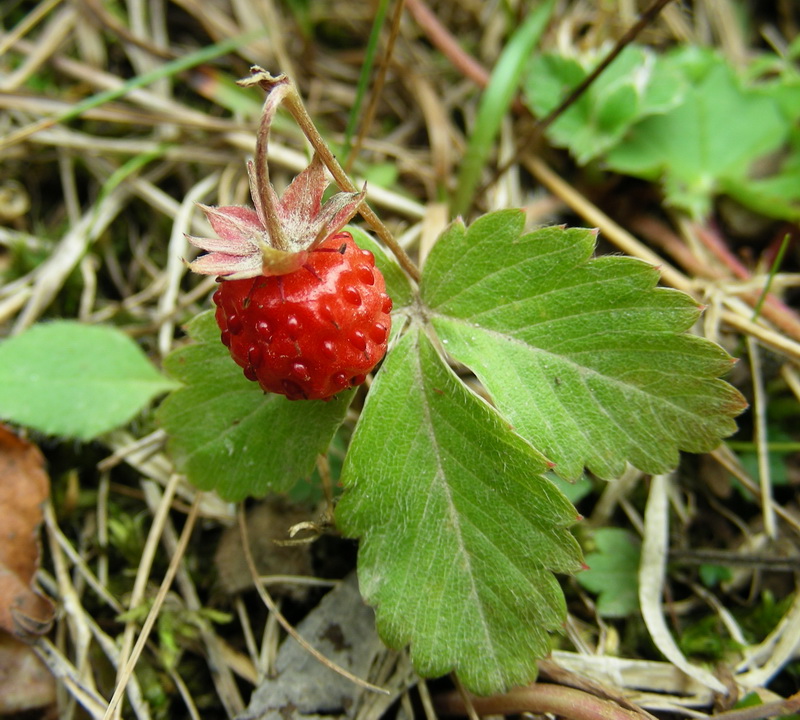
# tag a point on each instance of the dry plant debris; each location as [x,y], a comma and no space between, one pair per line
[24,612]
[101,171]
[25,682]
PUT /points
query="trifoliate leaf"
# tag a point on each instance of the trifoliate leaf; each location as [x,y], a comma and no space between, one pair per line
[586,357]
[78,381]
[613,572]
[460,533]
[709,140]
[227,435]
[633,87]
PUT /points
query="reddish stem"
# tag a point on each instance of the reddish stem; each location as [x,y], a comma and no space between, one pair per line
[275,96]
[539,698]
[441,38]
[773,309]
[662,236]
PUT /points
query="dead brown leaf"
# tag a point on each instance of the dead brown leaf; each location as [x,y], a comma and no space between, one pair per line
[25,681]
[24,486]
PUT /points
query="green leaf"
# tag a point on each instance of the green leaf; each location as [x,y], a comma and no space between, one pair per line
[613,572]
[586,357]
[496,100]
[633,87]
[708,141]
[777,195]
[79,381]
[227,435]
[460,533]
[573,491]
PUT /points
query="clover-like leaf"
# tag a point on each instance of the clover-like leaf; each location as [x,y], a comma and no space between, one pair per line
[636,85]
[707,142]
[75,380]
[227,435]
[460,533]
[587,358]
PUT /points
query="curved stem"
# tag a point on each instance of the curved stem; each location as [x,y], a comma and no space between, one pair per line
[282,89]
[265,202]
[294,104]
[540,698]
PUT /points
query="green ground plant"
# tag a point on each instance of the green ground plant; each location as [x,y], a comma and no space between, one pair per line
[520,360]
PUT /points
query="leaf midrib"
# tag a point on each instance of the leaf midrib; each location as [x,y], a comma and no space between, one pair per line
[582,369]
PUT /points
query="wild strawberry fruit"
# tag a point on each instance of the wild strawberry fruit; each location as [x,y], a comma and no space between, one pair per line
[311,333]
[302,309]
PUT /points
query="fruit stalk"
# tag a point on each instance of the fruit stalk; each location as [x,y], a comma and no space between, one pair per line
[294,104]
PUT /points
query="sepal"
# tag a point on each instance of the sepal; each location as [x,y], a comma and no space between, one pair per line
[276,236]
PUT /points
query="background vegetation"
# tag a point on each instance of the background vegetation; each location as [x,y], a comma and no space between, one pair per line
[119,117]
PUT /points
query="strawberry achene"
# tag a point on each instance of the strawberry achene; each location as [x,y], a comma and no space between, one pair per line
[311,333]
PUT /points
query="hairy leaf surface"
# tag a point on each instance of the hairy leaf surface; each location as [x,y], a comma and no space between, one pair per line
[460,533]
[227,435]
[587,358]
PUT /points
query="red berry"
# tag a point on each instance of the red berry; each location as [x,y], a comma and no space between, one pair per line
[313,332]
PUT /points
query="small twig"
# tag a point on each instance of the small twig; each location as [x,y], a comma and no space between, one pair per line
[61,541]
[67,254]
[627,38]
[767,336]
[779,708]
[441,37]
[273,608]
[540,698]
[772,308]
[114,26]
[425,699]
[369,113]
[67,673]
[149,622]
[728,460]
[219,665]
[51,37]
[660,235]
[145,565]
[28,23]
[760,416]
[735,559]
[469,706]
[102,528]
[128,87]
[551,670]
[541,126]
[186,695]
[175,270]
